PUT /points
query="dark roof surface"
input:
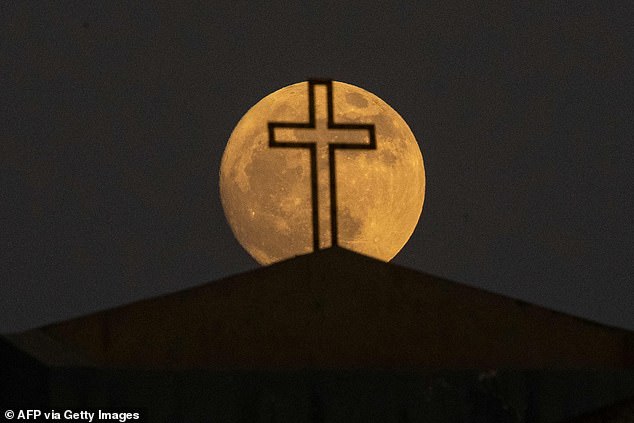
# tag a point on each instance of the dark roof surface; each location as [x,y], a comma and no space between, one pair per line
[339,309]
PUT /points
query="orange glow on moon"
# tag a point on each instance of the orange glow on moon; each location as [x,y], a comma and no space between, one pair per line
[266,192]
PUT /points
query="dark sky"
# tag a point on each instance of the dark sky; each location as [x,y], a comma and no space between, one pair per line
[113,119]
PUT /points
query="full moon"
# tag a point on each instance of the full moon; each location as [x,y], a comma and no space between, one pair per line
[266,192]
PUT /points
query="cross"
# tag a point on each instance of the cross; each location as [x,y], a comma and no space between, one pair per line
[321,136]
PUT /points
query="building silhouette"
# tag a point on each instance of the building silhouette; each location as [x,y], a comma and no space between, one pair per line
[329,336]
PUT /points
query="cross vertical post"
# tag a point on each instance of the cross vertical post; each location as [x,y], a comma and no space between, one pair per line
[322,137]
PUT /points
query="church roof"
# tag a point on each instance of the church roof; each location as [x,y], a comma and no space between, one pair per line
[338,309]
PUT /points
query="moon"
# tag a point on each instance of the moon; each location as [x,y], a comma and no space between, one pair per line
[266,192]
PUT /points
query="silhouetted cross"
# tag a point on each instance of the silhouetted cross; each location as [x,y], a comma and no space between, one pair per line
[322,136]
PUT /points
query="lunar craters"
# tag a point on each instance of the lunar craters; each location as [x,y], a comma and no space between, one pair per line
[266,192]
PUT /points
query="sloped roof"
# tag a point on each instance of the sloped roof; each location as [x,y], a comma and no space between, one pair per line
[339,309]
[47,351]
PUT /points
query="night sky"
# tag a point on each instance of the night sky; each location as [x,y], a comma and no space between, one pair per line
[113,119]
